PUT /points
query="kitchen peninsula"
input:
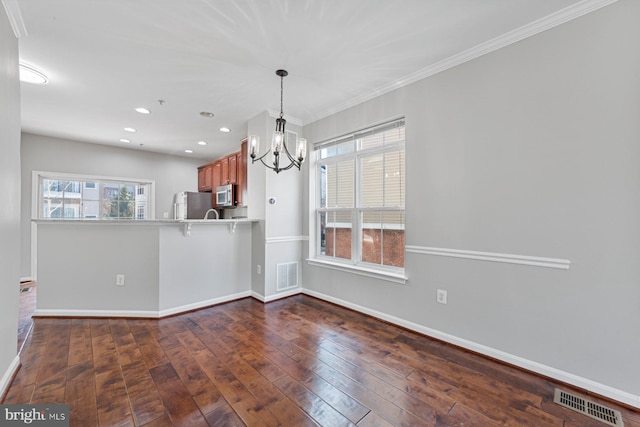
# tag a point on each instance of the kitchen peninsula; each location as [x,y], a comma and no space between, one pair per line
[140,268]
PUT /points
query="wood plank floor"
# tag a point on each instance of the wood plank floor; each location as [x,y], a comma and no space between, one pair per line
[28,294]
[294,362]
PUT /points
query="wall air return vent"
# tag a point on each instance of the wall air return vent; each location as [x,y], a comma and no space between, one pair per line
[286,275]
[588,408]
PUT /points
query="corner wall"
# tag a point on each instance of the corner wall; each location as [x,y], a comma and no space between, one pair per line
[277,237]
[533,151]
[10,206]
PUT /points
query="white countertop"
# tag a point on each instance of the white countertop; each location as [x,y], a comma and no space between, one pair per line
[142,221]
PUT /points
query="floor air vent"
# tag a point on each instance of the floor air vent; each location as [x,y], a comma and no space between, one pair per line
[590,409]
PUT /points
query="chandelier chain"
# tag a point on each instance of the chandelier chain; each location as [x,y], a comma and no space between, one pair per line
[281,95]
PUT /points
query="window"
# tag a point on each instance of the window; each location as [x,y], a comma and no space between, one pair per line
[360,208]
[75,197]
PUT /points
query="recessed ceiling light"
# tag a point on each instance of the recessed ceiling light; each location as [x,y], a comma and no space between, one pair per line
[202,143]
[142,110]
[125,140]
[30,74]
[206,114]
[130,129]
[225,130]
[188,151]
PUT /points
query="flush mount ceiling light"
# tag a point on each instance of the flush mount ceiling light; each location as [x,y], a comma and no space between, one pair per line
[225,130]
[206,114]
[143,110]
[30,74]
[202,143]
[188,151]
[125,140]
[130,130]
[278,142]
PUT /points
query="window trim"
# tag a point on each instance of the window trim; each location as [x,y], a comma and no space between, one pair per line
[355,263]
[360,269]
[36,176]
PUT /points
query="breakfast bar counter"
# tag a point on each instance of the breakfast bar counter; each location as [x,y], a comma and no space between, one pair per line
[140,268]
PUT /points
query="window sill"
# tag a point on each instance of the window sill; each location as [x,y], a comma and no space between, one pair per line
[390,276]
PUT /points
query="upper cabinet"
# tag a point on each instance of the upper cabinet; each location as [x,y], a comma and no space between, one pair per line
[205,178]
[231,169]
[217,174]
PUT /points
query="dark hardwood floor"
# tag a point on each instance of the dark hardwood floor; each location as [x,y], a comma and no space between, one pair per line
[294,362]
[28,293]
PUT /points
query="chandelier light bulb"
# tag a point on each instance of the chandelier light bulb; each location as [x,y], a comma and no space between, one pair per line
[276,142]
[301,149]
[254,145]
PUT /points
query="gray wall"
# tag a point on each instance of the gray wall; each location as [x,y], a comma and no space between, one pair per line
[276,238]
[166,270]
[170,173]
[212,263]
[10,206]
[531,150]
[78,264]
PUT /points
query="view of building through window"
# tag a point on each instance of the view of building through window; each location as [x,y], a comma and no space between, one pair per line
[362,196]
[99,199]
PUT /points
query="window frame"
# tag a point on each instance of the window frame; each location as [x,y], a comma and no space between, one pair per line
[37,193]
[355,263]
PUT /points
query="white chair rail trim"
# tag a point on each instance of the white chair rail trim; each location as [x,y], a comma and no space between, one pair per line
[562,264]
[285,239]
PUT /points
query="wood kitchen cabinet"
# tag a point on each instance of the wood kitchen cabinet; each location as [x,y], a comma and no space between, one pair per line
[205,178]
[231,169]
[216,174]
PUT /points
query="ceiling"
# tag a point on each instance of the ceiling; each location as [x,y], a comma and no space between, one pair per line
[104,58]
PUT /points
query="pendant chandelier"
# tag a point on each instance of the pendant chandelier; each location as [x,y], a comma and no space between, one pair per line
[278,142]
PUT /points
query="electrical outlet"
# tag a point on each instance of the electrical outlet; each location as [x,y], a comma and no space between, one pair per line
[441,296]
[120,279]
[259,269]
[165,215]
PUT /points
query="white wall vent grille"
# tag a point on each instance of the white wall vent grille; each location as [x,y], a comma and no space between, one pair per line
[286,275]
[588,408]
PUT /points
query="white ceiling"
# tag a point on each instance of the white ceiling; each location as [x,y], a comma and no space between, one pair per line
[106,57]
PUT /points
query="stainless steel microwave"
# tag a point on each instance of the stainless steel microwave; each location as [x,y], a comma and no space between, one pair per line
[225,196]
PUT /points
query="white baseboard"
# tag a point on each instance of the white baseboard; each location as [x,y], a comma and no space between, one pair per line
[277,296]
[258,296]
[140,313]
[565,377]
[202,304]
[8,375]
[94,313]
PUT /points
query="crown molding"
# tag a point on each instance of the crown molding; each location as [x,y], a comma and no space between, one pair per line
[550,21]
[15,17]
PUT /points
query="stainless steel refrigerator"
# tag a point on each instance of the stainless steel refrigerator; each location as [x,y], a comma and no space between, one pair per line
[192,205]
